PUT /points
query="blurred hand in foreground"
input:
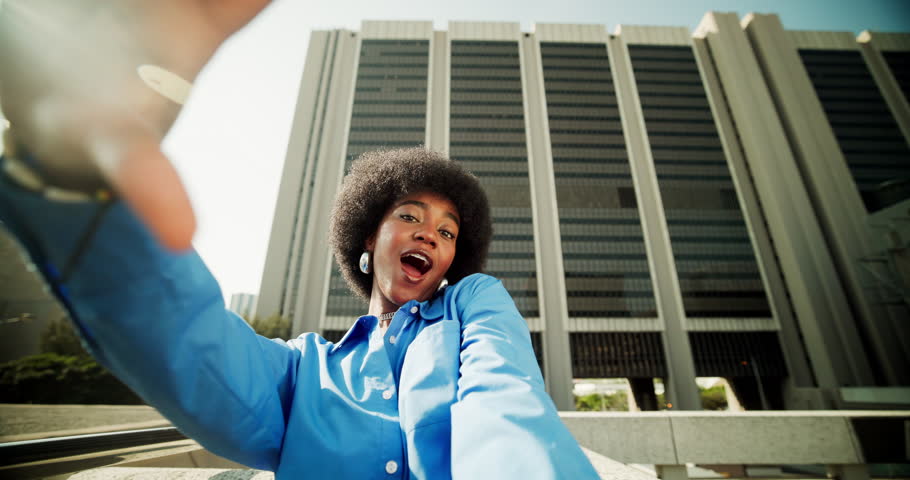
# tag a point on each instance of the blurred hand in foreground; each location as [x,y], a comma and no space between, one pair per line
[71,89]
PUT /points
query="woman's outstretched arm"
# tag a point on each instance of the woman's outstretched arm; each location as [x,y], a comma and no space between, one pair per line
[157,320]
[504,424]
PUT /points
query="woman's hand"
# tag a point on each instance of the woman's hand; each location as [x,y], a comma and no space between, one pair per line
[71,89]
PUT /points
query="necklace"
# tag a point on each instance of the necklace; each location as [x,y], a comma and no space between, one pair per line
[385,316]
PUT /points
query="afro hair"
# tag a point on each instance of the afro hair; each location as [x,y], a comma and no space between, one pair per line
[377,179]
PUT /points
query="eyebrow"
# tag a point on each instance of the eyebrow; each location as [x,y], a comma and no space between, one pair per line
[425,206]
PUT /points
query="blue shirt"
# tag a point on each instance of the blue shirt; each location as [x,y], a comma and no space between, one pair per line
[451,390]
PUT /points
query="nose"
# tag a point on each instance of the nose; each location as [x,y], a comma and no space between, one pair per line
[426,236]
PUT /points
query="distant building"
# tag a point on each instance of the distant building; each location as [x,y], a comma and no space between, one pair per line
[244,304]
[666,204]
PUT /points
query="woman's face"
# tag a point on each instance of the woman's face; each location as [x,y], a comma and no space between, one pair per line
[412,249]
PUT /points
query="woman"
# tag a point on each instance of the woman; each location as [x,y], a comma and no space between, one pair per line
[434,381]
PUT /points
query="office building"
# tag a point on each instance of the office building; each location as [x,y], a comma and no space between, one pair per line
[244,304]
[660,208]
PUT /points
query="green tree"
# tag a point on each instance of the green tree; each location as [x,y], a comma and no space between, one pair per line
[273,326]
[61,338]
[596,402]
[714,398]
[588,403]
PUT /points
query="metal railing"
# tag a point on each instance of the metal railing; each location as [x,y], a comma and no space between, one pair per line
[13,453]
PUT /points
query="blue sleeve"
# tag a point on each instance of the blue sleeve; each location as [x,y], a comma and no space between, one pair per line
[157,320]
[504,424]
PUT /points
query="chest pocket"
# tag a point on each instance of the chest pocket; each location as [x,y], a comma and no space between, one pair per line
[429,375]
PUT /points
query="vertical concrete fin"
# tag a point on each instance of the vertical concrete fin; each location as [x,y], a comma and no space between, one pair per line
[680,384]
[547,240]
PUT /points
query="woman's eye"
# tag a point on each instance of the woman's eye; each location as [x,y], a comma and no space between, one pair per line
[447,234]
[409,218]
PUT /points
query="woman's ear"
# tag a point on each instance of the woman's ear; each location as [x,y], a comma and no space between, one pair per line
[370,243]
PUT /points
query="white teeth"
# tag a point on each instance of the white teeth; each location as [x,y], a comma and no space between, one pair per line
[422,258]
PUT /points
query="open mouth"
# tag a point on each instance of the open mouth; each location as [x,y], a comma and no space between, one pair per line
[416,264]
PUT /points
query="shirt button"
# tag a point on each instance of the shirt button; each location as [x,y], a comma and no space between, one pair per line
[391,467]
[414,309]
[392,339]
[388,394]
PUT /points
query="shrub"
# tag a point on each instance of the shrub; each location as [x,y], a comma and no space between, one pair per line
[596,402]
[274,326]
[714,398]
[58,379]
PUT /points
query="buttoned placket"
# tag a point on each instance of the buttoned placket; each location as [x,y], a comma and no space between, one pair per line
[395,464]
[402,330]
[402,318]
[388,393]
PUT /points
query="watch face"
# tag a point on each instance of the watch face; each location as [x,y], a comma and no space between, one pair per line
[167,83]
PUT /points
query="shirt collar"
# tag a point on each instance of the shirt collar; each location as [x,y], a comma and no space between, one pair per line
[432,309]
[361,327]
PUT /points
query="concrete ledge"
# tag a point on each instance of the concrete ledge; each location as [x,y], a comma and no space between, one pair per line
[625,437]
[669,440]
[610,469]
[898,396]
[766,437]
[606,468]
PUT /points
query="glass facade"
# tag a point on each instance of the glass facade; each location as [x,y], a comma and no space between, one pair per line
[617,355]
[737,354]
[869,137]
[606,266]
[389,111]
[604,257]
[718,273]
[487,134]
[899,63]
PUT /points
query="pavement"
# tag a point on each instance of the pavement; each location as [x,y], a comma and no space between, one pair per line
[29,422]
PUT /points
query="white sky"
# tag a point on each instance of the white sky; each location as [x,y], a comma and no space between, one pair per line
[230,141]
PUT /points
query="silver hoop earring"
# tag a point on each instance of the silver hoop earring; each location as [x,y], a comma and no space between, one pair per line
[365,262]
[443,284]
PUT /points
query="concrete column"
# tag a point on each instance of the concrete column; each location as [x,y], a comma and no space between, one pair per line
[643,391]
[439,93]
[316,257]
[547,241]
[773,279]
[680,385]
[290,209]
[837,201]
[819,299]
[733,404]
[672,472]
